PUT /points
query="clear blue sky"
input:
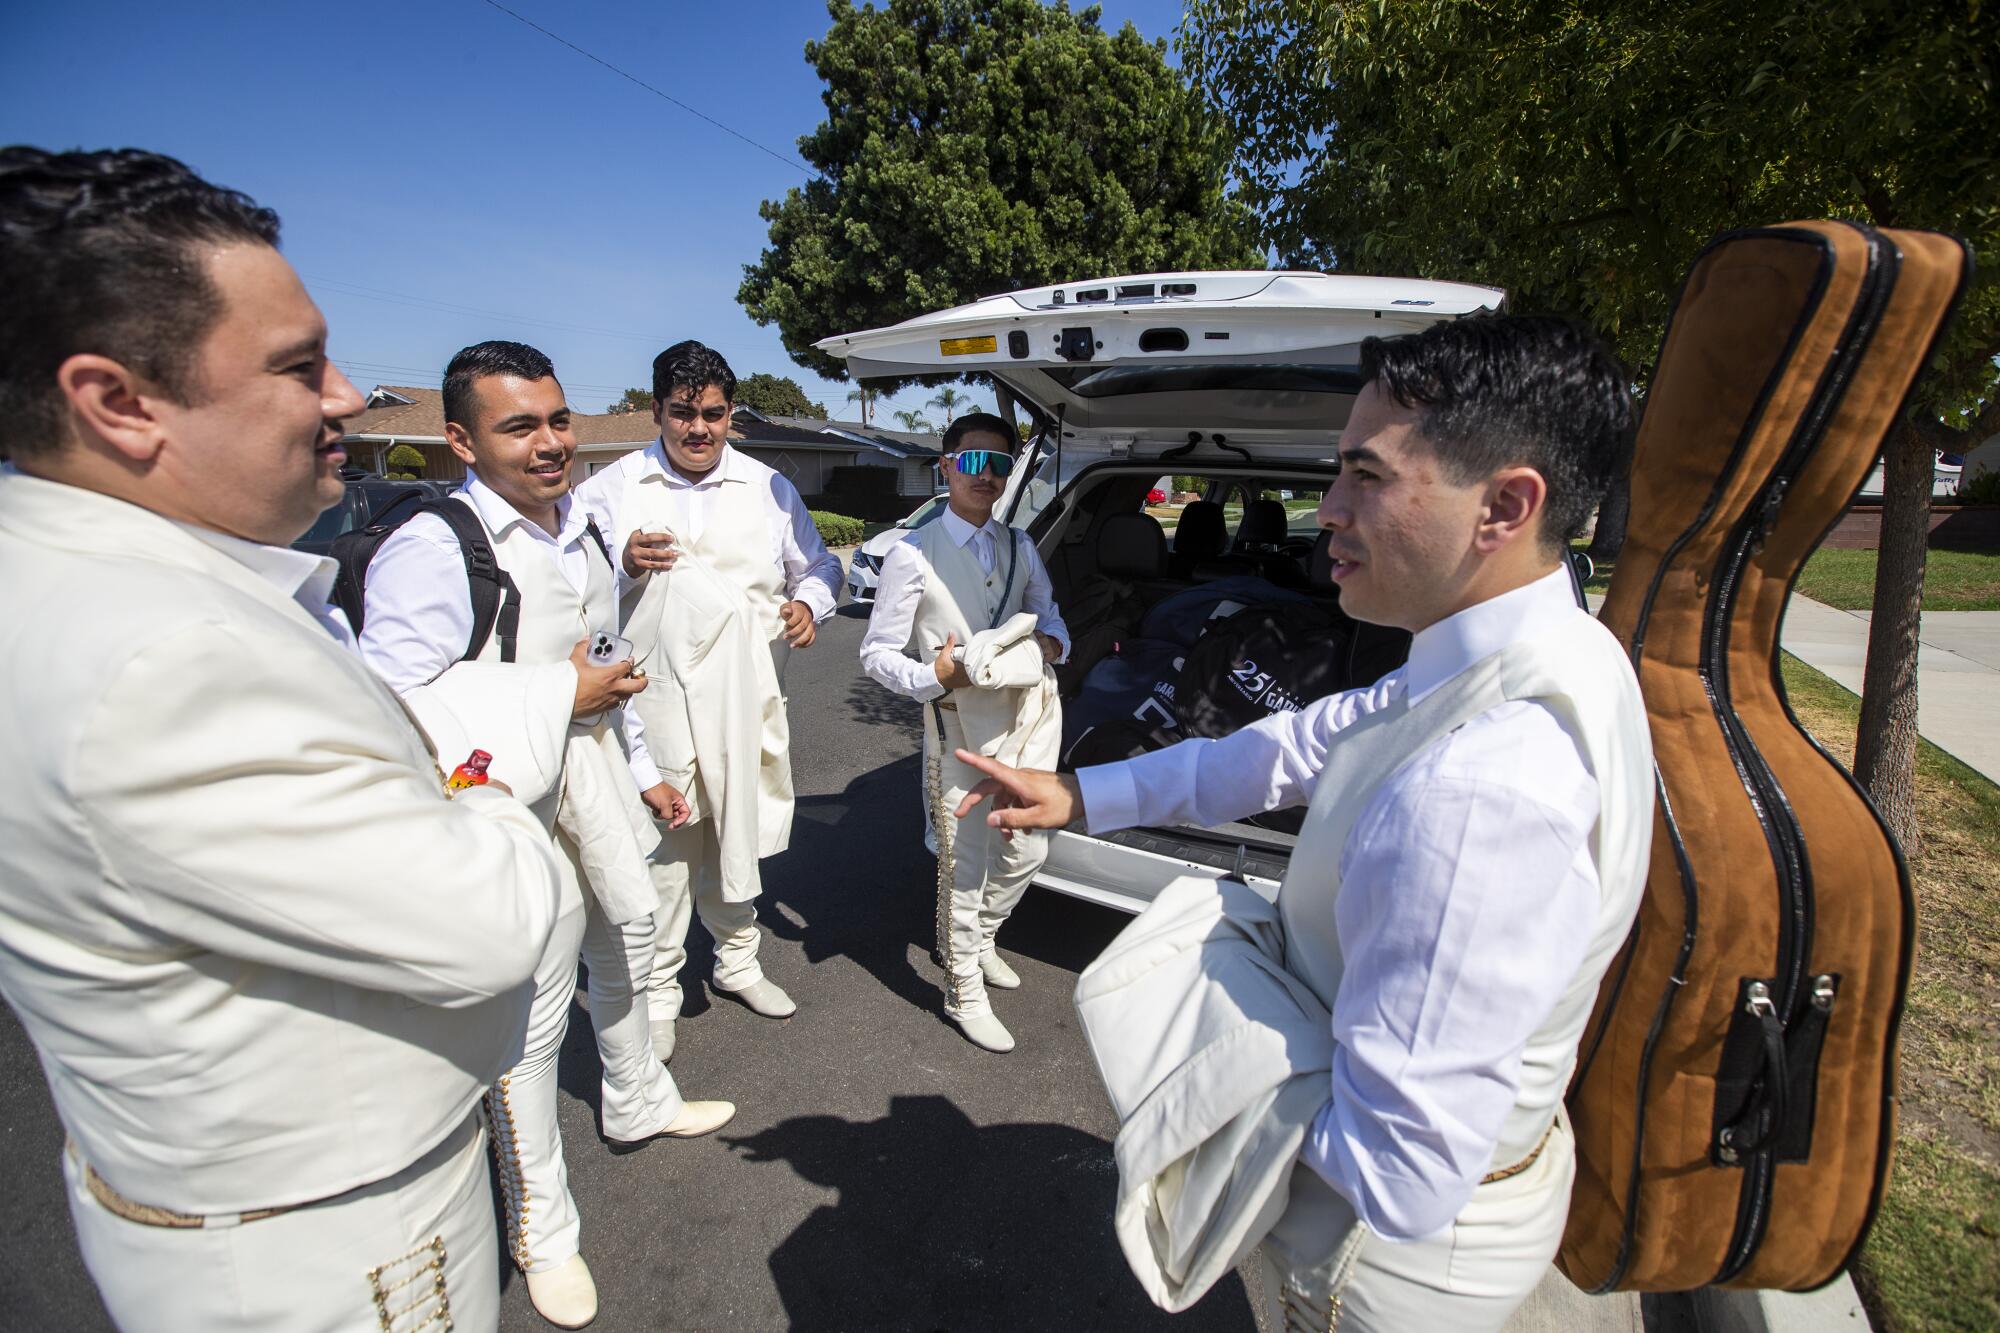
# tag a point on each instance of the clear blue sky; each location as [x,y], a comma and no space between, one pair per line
[435,160]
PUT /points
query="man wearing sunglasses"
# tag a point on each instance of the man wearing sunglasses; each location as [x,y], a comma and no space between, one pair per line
[941,586]
[693,497]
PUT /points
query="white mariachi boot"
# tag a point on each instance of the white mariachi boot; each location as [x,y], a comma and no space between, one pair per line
[565,1295]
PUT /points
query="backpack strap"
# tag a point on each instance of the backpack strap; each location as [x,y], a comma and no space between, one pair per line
[1014,536]
[590,526]
[496,602]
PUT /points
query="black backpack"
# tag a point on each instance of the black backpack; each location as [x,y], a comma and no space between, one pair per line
[1279,658]
[1259,661]
[496,602]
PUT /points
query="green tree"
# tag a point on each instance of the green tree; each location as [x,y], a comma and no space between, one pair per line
[866,397]
[777,396]
[949,401]
[1580,156]
[634,400]
[915,423]
[975,146]
[405,461]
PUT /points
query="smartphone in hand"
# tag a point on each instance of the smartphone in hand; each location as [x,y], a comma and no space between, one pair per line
[606,648]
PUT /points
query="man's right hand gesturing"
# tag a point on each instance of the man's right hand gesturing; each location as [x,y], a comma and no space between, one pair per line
[1025,798]
[601,687]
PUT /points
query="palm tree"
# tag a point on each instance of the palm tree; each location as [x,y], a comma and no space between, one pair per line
[914,423]
[948,400]
[862,396]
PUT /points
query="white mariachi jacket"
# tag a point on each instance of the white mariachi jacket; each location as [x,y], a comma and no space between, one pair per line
[714,715]
[595,804]
[1017,718]
[262,957]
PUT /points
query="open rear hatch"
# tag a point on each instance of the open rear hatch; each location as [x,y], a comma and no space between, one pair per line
[1221,350]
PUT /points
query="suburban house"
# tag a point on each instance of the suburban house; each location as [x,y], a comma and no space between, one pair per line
[803,450]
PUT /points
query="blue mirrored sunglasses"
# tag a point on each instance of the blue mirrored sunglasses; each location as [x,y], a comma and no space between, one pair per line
[972,462]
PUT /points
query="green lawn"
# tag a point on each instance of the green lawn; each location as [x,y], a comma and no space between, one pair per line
[1953,580]
[1932,1262]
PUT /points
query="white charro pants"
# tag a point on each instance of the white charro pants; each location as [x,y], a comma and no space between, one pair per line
[1468,1278]
[687,873]
[637,1094]
[988,872]
[413,1251]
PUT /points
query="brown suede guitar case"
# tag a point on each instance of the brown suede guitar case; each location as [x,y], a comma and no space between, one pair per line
[1734,1100]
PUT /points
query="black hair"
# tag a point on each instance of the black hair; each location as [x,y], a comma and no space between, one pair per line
[1498,391]
[98,254]
[694,366]
[488,358]
[980,421]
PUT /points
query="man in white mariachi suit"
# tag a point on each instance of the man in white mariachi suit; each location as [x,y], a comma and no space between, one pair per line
[506,417]
[691,493]
[268,966]
[943,587]
[1477,837]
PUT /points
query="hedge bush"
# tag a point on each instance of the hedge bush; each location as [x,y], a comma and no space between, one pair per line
[406,458]
[837,529]
[1983,489]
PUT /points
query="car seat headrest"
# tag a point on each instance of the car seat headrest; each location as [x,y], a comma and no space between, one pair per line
[1131,546]
[1263,523]
[1202,531]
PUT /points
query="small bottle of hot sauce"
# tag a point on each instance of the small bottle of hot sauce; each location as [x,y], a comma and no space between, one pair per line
[471,773]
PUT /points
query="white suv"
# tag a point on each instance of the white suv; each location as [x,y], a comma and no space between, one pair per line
[1242,380]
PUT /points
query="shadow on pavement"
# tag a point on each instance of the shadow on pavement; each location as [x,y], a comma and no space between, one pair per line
[870,703]
[856,880]
[942,1224]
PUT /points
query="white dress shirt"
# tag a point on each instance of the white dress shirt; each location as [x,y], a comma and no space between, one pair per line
[306,579]
[884,654]
[419,604]
[1468,900]
[812,573]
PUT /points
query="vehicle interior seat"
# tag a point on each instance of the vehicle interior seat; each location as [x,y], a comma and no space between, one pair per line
[1202,549]
[1201,535]
[1263,538]
[1132,547]
[1129,554]
[1263,526]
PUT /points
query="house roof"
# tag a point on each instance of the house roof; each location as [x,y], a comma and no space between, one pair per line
[420,416]
[898,443]
[594,428]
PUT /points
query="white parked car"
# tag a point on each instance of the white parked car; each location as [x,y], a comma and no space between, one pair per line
[1243,379]
[1946,469]
[864,571]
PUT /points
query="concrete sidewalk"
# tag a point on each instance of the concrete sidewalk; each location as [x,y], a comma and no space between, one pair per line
[1558,1307]
[1958,671]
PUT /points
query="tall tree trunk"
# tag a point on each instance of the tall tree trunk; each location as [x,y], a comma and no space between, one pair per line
[1609,537]
[1885,751]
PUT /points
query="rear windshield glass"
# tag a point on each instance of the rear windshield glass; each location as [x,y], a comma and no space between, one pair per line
[1110,381]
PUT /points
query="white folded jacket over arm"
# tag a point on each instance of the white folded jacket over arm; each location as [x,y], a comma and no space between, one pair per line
[714,716]
[1216,1060]
[1013,712]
